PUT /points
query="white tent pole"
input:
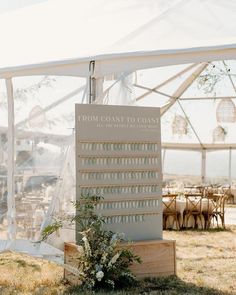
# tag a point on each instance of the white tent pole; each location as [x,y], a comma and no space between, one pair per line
[230,150]
[11,164]
[184,86]
[230,166]
[203,166]
[163,159]
[91,82]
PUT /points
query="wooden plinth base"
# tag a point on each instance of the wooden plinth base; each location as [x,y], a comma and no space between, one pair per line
[158,259]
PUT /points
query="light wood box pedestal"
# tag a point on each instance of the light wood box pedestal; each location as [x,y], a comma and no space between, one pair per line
[158,259]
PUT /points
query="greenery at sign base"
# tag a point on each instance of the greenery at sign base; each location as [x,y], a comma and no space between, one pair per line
[171,285]
[102,263]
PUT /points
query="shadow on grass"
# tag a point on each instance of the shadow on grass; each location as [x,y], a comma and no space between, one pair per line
[210,230]
[157,286]
[20,263]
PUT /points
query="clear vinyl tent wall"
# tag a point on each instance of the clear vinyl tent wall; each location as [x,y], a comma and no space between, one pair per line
[41,153]
[198,167]
[4,160]
[200,99]
[40,127]
[37,165]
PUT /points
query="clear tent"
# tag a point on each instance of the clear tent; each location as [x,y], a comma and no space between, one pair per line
[198,106]
[44,176]
[37,100]
[44,173]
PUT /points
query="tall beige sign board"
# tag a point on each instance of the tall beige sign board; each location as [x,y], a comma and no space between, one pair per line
[118,156]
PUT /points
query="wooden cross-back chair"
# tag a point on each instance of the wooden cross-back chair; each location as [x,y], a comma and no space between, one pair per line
[219,210]
[213,206]
[216,210]
[170,210]
[193,208]
[198,194]
[228,193]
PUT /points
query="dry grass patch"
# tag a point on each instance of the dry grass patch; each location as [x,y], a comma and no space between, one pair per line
[207,258]
[23,274]
[206,264]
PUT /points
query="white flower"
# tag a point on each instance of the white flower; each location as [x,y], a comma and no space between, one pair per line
[114,259]
[104,257]
[86,246]
[99,275]
[121,235]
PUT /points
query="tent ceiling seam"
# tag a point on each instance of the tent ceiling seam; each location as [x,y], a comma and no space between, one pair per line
[133,34]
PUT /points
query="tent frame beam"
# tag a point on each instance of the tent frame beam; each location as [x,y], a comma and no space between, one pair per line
[207,98]
[53,105]
[196,146]
[150,90]
[184,86]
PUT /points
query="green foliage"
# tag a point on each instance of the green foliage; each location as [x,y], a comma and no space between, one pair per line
[48,230]
[103,264]
[171,285]
[85,216]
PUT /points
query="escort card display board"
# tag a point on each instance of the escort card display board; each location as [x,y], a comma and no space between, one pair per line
[118,156]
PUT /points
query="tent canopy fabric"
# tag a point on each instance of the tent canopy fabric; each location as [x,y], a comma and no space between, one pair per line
[119,35]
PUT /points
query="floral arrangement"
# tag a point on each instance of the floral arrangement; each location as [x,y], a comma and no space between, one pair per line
[102,263]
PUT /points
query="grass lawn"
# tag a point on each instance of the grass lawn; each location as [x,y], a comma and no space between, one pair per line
[207,258]
[206,264]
